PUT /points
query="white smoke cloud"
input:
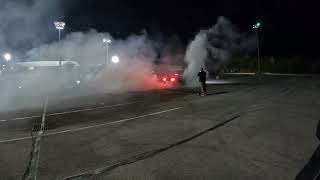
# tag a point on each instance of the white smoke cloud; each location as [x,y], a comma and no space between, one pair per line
[137,55]
[85,48]
[27,23]
[195,58]
[26,28]
[213,48]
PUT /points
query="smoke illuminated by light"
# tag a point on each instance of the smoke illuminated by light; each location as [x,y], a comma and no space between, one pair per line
[7,56]
[115,59]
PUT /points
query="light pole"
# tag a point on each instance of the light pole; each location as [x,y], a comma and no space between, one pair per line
[256,27]
[107,41]
[60,26]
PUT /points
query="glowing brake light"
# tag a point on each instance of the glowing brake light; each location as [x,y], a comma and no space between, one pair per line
[176,74]
[164,79]
[173,79]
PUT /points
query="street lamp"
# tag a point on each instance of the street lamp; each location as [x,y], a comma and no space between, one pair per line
[60,26]
[115,59]
[107,41]
[256,27]
[7,57]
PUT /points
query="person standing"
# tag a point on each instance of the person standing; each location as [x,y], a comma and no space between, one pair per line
[202,79]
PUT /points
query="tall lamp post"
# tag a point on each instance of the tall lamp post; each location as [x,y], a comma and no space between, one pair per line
[107,41]
[256,27]
[60,26]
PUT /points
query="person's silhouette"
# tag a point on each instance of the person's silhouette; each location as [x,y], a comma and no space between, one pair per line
[202,79]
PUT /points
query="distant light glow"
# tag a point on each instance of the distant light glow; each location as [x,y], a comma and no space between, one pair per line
[7,56]
[59,25]
[106,40]
[173,79]
[257,25]
[78,82]
[31,68]
[115,59]
[164,79]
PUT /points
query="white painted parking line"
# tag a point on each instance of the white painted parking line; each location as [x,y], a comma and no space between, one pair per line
[90,109]
[16,139]
[19,118]
[109,123]
[70,112]
[93,126]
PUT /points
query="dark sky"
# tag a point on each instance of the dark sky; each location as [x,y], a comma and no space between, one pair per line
[290,27]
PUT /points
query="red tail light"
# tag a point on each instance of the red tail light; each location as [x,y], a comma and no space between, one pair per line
[164,79]
[176,74]
[173,79]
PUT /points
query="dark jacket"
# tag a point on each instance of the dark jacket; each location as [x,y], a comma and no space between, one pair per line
[202,76]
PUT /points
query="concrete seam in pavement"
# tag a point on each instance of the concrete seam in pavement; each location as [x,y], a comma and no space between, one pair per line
[34,161]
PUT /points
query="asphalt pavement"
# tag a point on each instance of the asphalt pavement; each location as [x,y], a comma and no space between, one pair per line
[247,129]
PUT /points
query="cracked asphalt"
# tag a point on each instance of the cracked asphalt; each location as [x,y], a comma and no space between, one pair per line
[259,128]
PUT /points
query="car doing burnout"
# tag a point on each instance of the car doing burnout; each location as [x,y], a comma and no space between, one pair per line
[168,74]
[170,78]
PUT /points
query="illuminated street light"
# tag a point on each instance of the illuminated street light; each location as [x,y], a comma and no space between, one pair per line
[115,59]
[256,27]
[60,26]
[107,41]
[7,56]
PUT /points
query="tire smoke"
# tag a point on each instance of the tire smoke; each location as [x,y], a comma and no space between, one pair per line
[213,48]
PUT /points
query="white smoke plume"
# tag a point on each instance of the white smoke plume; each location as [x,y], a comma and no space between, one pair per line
[27,23]
[137,55]
[28,32]
[213,48]
[195,58]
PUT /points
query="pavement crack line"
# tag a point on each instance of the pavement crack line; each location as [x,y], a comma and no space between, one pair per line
[147,154]
[284,90]
[30,156]
[31,172]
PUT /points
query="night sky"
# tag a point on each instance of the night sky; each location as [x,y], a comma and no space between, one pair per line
[289,28]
